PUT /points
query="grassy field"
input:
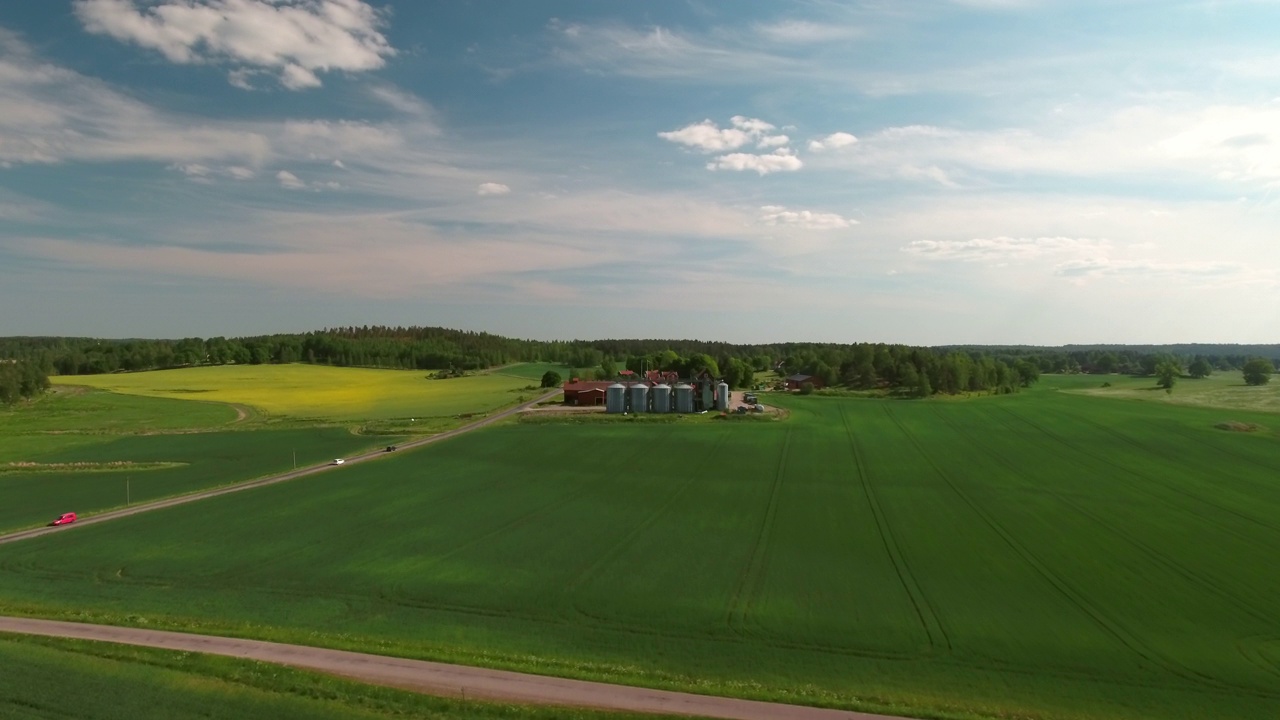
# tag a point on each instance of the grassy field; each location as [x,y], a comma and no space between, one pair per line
[310,392]
[1044,555]
[45,678]
[1224,390]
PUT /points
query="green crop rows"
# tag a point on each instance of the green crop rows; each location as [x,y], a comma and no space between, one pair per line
[1045,555]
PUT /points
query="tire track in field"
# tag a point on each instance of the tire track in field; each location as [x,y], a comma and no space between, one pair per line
[526,518]
[1249,650]
[592,569]
[1105,622]
[1152,552]
[1135,443]
[1143,476]
[925,611]
[735,615]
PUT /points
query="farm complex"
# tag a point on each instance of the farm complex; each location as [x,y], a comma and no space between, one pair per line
[1049,554]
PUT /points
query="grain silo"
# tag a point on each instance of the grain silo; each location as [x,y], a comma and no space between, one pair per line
[661,394]
[708,394]
[722,396]
[639,396]
[684,398]
[615,398]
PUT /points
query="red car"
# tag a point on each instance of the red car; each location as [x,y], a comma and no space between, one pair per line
[64,519]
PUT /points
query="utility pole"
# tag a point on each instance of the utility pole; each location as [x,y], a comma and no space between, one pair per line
[126,490]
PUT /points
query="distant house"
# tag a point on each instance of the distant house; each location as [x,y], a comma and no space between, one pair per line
[585,393]
[795,381]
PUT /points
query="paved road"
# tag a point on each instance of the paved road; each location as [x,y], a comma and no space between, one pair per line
[441,679]
[292,474]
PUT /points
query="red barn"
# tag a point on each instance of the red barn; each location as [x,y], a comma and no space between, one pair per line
[585,393]
[795,381]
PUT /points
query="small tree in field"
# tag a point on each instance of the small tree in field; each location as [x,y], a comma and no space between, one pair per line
[550,379]
[1166,375]
[1257,371]
[806,388]
[1199,368]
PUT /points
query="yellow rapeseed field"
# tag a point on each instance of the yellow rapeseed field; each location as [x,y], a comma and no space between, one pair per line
[316,391]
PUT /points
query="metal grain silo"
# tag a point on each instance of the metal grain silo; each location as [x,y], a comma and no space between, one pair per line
[615,398]
[639,396]
[684,398]
[722,396]
[708,394]
[661,394]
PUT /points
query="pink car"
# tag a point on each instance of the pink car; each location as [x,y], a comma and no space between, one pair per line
[64,519]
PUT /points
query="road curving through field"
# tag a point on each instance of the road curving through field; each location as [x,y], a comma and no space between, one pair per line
[271,480]
[441,679]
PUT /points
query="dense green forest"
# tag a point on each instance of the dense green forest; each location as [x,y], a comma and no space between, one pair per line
[864,366]
[21,379]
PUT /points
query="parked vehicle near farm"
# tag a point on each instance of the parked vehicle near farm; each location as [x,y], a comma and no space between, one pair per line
[338,461]
[65,519]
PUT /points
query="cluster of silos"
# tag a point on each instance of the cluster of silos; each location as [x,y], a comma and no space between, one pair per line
[662,398]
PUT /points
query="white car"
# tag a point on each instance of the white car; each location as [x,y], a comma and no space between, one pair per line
[338,461]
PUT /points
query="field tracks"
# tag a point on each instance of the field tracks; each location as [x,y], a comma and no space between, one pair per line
[627,537]
[930,621]
[1150,479]
[1108,624]
[1256,611]
[752,573]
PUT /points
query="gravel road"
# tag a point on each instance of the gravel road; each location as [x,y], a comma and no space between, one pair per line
[439,678]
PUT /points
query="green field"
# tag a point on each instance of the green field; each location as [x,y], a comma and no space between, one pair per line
[310,392]
[1044,555]
[95,477]
[1224,390]
[45,678]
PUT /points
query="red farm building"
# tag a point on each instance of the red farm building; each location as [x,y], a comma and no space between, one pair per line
[795,381]
[585,393]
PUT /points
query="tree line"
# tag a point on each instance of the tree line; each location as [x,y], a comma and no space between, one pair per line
[900,369]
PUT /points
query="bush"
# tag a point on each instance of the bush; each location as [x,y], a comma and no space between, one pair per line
[551,379]
[806,388]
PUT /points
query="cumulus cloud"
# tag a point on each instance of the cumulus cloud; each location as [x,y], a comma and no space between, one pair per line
[807,219]
[289,181]
[1003,249]
[780,160]
[294,39]
[492,188]
[834,141]
[709,137]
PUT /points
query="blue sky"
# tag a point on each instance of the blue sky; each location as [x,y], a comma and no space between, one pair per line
[932,172]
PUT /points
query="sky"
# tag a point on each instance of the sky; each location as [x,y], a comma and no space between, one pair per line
[929,172]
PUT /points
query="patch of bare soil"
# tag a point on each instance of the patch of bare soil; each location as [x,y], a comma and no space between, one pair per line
[1233,426]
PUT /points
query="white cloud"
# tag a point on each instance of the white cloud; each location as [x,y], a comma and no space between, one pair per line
[402,102]
[339,164]
[769,141]
[804,32]
[492,188]
[294,38]
[1003,249]
[289,181]
[780,160]
[240,173]
[807,219]
[1102,266]
[834,141]
[707,137]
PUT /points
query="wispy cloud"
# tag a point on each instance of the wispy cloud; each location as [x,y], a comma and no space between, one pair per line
[296,39]
[289,181]
[1003,249]
[806,219]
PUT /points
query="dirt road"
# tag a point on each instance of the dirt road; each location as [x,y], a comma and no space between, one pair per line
[292,474]
[439,678]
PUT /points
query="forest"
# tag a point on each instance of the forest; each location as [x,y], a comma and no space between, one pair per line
[918,371]
[21,379]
